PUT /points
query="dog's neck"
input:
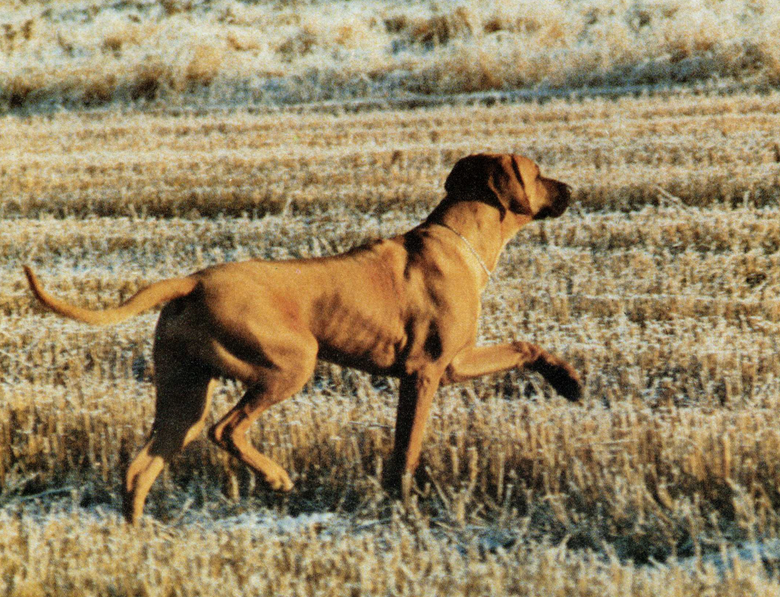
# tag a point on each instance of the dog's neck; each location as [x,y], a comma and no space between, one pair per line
[480,225]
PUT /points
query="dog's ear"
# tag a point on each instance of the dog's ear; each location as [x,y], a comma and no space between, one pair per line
[494,179]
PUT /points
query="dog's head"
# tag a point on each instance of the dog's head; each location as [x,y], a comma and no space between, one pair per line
[511,182]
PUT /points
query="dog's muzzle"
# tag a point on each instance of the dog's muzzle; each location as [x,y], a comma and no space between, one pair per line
[560,196]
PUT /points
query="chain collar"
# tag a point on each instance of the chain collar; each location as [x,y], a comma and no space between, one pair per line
[470,246]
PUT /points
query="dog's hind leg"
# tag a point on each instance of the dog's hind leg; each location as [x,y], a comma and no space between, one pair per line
[183,397]
[272,386]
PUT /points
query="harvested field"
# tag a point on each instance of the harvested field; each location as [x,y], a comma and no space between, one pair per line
[661,286]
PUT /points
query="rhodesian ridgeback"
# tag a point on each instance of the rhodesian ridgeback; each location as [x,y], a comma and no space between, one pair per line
[405,307]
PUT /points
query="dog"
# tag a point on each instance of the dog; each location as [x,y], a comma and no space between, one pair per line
[405,307]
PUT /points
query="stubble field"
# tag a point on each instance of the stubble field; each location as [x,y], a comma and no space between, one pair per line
[661,286]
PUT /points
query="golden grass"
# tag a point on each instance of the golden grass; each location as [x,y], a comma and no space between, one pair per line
[93,52]
[662,286]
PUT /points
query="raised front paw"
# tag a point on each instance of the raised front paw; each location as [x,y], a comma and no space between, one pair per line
[568,386]
[563,378]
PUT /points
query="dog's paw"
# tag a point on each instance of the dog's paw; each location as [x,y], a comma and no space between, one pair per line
[391,479]
[567,386]
[563,379]
[280,483]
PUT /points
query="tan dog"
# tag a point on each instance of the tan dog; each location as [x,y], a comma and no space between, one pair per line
[406,307]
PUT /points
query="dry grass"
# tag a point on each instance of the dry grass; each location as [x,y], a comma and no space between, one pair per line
[662,286]
[92,52]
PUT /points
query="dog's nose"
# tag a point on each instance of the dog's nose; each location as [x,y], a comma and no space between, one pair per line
[562,200]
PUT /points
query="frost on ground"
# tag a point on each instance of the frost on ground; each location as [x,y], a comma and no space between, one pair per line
[268,52]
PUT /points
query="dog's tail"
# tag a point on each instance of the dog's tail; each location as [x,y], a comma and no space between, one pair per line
[146,298]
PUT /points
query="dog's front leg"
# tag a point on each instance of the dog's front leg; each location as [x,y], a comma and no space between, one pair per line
[476,361]
[414,403]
